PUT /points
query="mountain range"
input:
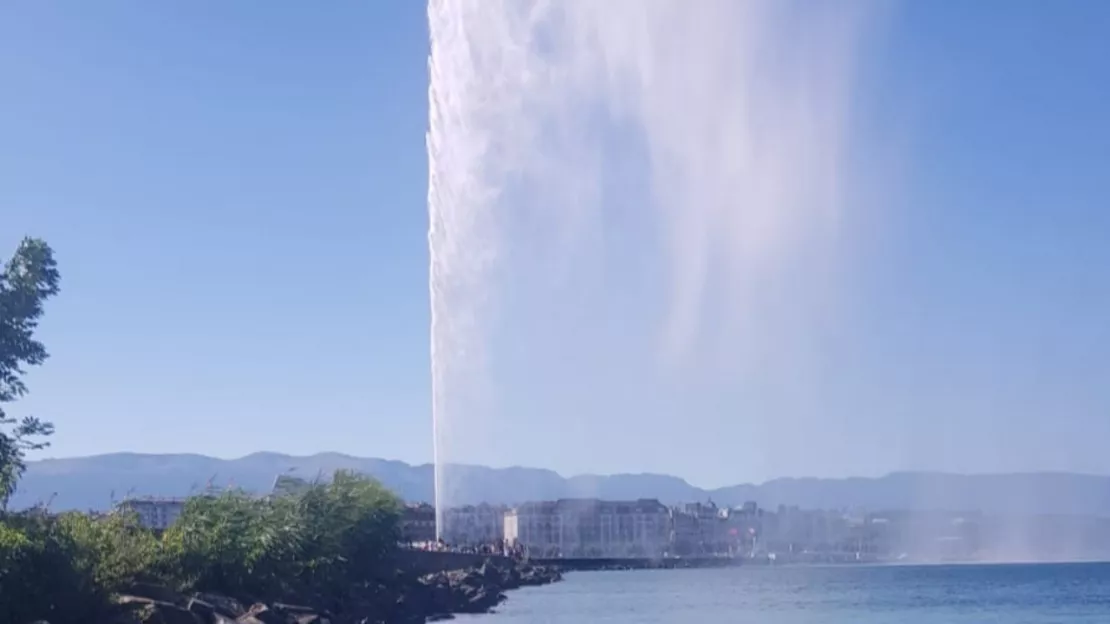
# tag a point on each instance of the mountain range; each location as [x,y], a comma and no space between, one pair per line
[93,483]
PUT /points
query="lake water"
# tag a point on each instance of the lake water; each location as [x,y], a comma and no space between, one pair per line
[964,594]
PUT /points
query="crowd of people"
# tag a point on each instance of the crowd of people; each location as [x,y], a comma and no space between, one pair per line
[493,548]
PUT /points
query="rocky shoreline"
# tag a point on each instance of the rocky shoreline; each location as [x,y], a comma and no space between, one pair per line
[405,599]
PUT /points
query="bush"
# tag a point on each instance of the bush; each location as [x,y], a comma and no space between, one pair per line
[233,544]
[349,528]
[319,541]
[45,573]
[316,544]
[114,549]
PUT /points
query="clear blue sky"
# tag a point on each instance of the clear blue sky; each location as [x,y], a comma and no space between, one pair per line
[236,194]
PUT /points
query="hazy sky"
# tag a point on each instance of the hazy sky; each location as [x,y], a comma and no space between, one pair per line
[236,194]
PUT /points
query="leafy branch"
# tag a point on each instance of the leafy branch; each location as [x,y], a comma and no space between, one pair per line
[29,278]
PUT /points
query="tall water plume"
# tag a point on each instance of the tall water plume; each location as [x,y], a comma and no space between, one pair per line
[705,142]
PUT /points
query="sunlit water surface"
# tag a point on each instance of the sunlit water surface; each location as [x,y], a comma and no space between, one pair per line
[1013,594]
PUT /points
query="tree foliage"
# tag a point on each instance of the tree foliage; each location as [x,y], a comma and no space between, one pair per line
[27,281]
[235,544]
[46,572]
[348,528]
[319,540]
[314,545]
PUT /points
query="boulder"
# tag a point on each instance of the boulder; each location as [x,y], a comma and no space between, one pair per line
[158,593]
[131,609]
[403,598]
[156,612]
[531,575]
[291,610]
[295,614]
[223,605]
[261,614]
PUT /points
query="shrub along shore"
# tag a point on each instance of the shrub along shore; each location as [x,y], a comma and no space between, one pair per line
[329,550]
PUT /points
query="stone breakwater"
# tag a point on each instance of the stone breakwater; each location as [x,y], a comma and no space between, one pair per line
[478,590]
[405,599]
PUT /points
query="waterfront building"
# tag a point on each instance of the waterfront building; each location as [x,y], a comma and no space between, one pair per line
[686,536]
[474,524]
[590,528]
[154,513]
[288,485]
[701,529]
[418,523]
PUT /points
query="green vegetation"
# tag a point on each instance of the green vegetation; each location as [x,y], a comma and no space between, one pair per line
[319,543]
[27,281]
[63,568]
[316,545]
[321,540]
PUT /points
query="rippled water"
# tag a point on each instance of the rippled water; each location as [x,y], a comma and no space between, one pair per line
[1014,594]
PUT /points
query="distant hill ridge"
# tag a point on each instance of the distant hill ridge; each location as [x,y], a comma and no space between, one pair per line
[92,482]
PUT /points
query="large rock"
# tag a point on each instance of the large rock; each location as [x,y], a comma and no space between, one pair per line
[262,614]
[465,591]
[531,575]
[158,612]
[402,599]
[213,609]
[158,593]
[211,612]
[228,607]
[295,614]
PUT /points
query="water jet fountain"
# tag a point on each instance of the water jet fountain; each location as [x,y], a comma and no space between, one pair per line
[737,114]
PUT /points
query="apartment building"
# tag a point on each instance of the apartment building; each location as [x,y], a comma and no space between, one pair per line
[686,532]
[590,528]
[698,528]
[418,523]
[154,513]
[474,524]
[288,485]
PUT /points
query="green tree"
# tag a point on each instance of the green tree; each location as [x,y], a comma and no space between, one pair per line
[234,543]
[321,541]
[27,281]
[46,573]
[350,526]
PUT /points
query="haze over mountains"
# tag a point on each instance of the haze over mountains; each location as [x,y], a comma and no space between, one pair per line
[93,482]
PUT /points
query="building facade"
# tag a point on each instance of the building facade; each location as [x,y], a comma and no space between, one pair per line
[154,513]
[698,528]
[418,523]
[590,528]
[288,485]
[473,525]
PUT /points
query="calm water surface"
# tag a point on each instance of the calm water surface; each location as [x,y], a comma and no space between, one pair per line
[1013,594]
